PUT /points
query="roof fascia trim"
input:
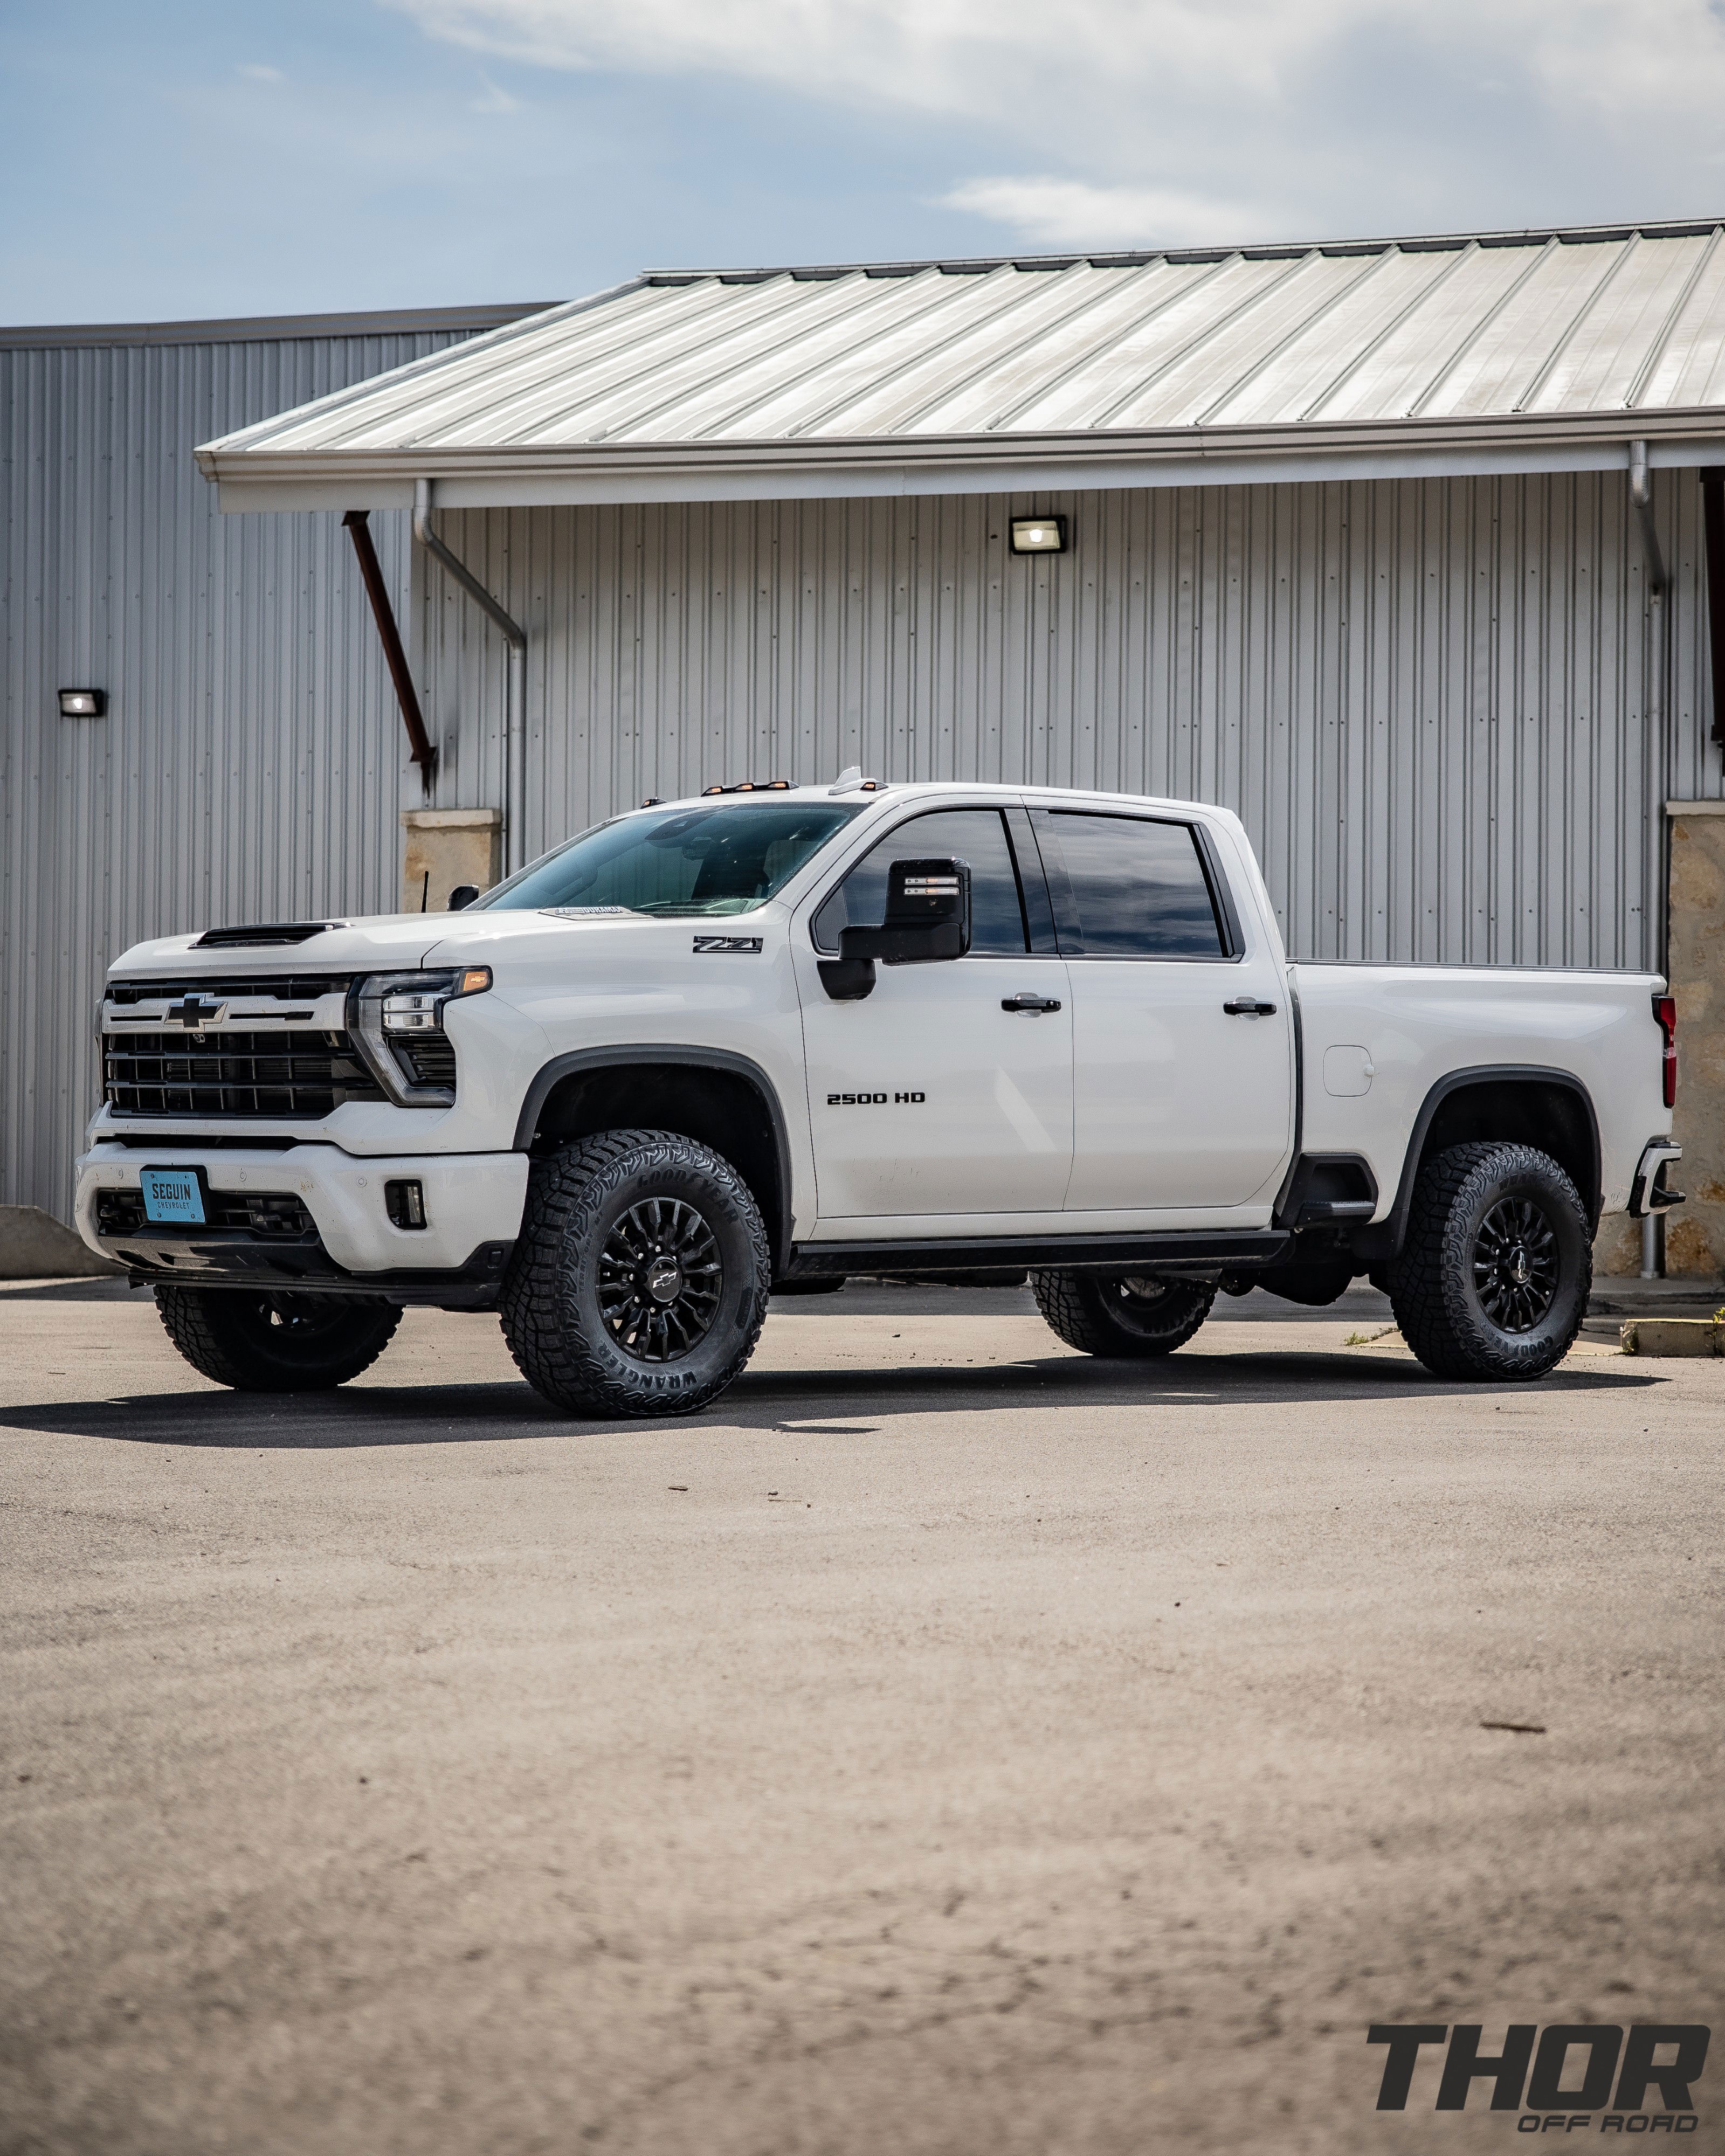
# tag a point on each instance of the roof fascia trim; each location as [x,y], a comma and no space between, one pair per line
[534,484]
[265,328]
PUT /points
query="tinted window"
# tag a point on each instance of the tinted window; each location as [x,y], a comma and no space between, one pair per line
[1138,888]
[679,860]
[976,835]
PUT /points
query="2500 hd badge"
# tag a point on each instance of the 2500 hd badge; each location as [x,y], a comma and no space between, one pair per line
[874,1100]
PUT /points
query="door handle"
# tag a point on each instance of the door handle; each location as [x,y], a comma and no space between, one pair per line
[1028,1001]
[1249,1007]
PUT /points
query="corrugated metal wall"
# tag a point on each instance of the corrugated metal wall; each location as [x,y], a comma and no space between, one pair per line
[250,765]
[1427,699]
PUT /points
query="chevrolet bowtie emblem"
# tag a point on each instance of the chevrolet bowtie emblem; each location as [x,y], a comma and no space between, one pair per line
[195,1014]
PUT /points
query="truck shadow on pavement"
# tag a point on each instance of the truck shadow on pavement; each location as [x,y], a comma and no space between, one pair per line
[376,1414]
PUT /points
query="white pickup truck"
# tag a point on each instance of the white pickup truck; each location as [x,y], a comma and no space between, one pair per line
[758,1040]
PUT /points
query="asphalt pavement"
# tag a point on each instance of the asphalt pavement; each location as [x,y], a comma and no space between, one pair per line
[947,1745]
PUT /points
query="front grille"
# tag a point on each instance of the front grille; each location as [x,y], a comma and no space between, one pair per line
[303,1075]
[268,1214]
[429,1058]
[155,1140]
[279,988]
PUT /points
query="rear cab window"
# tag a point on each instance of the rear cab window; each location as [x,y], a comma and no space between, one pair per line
[1127,887]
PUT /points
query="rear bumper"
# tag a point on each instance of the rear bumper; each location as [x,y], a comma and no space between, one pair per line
[472,1203]
[1648,1193]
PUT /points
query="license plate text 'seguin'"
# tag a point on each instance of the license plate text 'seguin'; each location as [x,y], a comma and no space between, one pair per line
[172,1195]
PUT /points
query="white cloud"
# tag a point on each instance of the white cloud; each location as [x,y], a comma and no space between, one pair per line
[256,71]
[1204,120]
[495,99]
[1056,213]
[980,57]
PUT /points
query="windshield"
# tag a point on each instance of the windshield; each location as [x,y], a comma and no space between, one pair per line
[679,860]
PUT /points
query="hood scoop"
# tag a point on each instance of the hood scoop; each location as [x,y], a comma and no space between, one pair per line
[270,931]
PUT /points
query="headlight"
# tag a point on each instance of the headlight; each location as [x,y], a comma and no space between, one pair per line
[386,1009]
[414,1002]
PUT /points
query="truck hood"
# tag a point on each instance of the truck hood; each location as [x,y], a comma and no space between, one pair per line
[396,942]
[393,942]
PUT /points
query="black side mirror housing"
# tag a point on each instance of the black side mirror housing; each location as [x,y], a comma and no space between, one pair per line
[927,920]
[463,895]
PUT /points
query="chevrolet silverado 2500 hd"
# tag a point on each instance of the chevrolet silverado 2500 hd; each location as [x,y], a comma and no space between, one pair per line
[777,1035]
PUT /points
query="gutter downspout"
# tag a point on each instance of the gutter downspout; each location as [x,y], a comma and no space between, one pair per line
[514,716]
[1641,494]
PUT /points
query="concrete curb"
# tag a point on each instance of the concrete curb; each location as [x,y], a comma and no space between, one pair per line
[1674,1335]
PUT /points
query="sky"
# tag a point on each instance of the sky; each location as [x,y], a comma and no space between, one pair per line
[183,158]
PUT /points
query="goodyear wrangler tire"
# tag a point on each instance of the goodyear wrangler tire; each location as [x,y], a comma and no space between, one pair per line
[1493,1278]
[640,1282]
[1122,1314]
[276,1343]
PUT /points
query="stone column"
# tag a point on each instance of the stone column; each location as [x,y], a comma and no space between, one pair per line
[444,847]
[1695,1234]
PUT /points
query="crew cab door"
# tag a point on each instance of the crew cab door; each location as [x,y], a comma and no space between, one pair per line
[927,1096]
[1181,1033]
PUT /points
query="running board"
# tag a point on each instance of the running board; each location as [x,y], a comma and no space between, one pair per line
[1205,1250]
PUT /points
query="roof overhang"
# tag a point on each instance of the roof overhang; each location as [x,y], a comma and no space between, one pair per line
[830,469]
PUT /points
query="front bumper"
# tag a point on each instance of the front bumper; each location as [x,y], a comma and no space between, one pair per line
[472,1214]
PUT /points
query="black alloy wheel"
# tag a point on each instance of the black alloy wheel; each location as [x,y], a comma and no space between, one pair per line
[1492,1278]
[1132,1315]
[661,1279]
[276,1343]
[638,1284]
[1516,1264]
[1143,1305]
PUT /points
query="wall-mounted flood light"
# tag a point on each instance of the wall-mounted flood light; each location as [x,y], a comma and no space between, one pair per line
[83,703]
[1038,535]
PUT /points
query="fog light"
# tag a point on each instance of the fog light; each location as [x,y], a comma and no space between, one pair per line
[1038,535]
[405,1203]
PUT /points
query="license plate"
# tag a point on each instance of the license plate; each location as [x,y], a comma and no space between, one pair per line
[172,1195]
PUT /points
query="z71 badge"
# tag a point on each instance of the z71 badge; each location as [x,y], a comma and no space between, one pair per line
[875,1100]
[704,945]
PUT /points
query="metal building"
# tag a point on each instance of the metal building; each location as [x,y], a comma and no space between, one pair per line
[1399,548]
[245,761]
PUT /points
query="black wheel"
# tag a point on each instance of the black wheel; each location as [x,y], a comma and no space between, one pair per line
[640,1282]
[276,1343]
[1123,1313]
[1493,1278]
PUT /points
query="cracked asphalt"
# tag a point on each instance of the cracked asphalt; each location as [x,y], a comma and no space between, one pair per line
[947,1745]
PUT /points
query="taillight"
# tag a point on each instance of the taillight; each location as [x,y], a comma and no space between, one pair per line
[1665,1009]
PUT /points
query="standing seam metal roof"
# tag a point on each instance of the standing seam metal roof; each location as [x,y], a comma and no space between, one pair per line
[1616,331]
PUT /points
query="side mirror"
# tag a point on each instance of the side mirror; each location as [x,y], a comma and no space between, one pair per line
[463,895]
[927,920]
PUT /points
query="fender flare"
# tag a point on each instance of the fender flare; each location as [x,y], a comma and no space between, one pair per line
[551,1074]
[1384,1238]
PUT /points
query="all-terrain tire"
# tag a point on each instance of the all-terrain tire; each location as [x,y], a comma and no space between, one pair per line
[276,1343]
[1122,1314]
[579,1304]
[1481,1215]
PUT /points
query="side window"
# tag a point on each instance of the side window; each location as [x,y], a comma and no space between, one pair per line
[1134,889]
[976,835]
